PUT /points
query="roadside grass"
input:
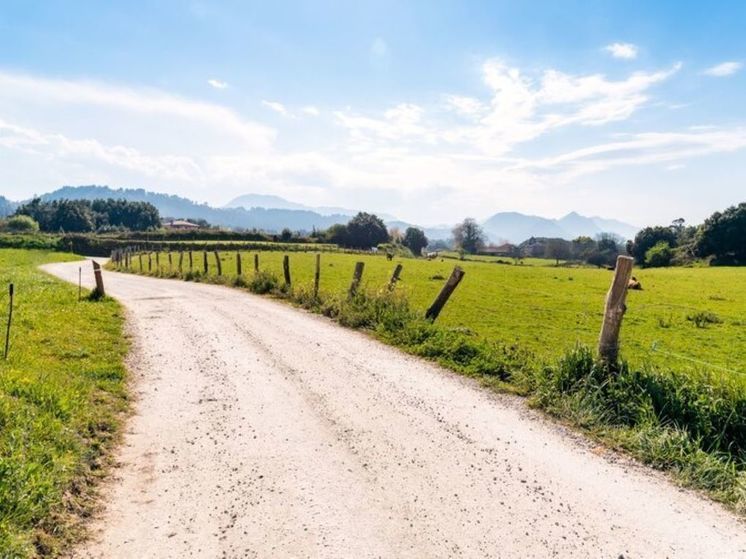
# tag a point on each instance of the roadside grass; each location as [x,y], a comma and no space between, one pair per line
[688,420]
[545,309]
[62,394]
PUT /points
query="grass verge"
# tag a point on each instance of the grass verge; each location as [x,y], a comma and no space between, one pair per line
[62,396]
[691,424]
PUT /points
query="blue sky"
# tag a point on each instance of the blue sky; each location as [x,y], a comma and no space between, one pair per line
[430,111]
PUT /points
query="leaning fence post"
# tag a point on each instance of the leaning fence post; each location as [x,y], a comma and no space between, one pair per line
[10,318]
[445,293]
[99,279]
[608,343]
[356,277]
[286,269]
[317,277]
[395,277]
[238,263]
[219,264]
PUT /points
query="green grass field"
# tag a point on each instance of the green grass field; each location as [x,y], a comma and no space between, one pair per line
[62,391]
[548,309]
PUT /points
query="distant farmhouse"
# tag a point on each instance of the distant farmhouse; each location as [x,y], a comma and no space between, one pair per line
[180,224]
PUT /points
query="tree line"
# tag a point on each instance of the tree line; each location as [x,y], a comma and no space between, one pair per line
[85,216]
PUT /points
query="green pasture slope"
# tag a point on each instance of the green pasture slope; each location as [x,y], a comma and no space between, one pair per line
[548,309]
[62,392]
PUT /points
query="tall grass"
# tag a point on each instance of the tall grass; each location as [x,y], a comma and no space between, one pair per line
[62,390]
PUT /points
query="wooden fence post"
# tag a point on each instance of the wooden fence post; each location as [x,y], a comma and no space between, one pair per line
[256,263]
[286,268]
[204,261]
[356,277]
[150,262]
[139,257]
[170,263]
[99,279]
[445,293]
[395,277]
[317,277]
[608,343]
[219,264]
[238,263]
[158,263]
[10,319]
[191,262]
[181,261]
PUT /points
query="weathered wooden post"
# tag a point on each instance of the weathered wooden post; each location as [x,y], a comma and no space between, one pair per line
[608,343]
[286,268]
[150,262]
[191,262]
[158,263]
[445,293]
[170,263]
[99,292]
[181,261]
[356,277]
[10,319]
[238,263]
[317,277]
[256,263]
[139,257]
[204,261]
[395,277]
[219,264]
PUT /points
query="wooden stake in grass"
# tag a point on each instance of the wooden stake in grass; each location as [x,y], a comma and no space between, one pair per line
[139,257]
[150,262]
[256,263]
[191,262]
[10,319]
[286,268]
[99,279]
[445,293]
[181,261]
[395,277]
[317,277]
[204,261]
[170,263]
[238,263]
[608,343]
[219,264]
[356,277]
[158,263]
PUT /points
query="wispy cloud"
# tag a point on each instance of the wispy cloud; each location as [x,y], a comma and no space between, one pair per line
[310,110]
[277,107]
[625,51]
[723,69]
[217,84]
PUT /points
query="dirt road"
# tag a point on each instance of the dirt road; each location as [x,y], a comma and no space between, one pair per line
[263,431]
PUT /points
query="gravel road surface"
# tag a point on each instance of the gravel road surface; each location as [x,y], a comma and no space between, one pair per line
[263,431]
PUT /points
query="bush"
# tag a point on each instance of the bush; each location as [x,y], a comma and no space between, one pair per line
[659,255]
[21,224]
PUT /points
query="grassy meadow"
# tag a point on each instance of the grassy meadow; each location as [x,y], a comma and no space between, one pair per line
[62,392]
[544,308]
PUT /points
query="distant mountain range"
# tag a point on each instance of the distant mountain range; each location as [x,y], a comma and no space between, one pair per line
[273,213]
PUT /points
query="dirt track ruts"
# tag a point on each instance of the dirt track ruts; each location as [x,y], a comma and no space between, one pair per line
[263,431]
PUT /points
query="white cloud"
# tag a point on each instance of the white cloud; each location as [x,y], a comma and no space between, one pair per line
[277,107]
[724,69]
[310,110]
[217,84]
[626,51]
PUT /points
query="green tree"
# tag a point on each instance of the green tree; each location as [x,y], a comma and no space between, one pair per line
[468,236]
[21,224]
[723,235]
[415,240]
[648,238]
[659,255]
[365,231]
[558,249]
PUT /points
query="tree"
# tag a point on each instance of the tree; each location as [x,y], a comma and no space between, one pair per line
[659,255]
[648,238]
[723,235]
[365,231]
[558,249]
[415,240]
[286,235]
[21,224]
[468,236]
[582,247]
[337,234]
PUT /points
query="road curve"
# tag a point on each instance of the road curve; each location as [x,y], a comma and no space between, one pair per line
[263,431]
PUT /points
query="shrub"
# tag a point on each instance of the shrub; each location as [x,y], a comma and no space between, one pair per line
[703,318]
[21,224]
[659,255]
